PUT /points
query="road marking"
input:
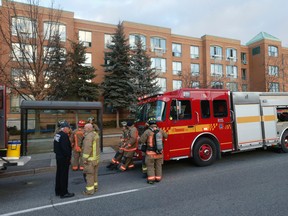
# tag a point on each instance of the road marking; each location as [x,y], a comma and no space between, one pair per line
[73,201]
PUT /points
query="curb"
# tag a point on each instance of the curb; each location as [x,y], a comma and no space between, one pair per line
[35,171]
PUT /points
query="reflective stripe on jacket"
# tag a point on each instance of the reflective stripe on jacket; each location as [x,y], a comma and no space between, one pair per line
[91,149]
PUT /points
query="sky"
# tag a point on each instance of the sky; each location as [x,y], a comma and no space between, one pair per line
[236,19]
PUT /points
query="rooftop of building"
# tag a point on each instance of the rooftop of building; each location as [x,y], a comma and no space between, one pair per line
[262,36]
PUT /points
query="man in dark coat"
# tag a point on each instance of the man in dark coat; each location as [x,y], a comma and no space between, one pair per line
[62,149]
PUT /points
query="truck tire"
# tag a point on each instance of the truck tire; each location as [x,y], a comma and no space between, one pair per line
[284,142]
[204,152]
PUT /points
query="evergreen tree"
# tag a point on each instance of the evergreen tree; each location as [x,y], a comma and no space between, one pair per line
[58,74]
[145,76]
[118,86]
[81,86]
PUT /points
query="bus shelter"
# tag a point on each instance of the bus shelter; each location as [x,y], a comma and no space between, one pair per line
[49,108]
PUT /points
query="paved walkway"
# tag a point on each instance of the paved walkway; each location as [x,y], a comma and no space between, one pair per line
[45,161]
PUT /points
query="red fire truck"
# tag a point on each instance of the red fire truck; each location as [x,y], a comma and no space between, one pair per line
[7,161]
[203,123]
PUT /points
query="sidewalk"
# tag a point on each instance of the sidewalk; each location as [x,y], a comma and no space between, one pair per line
[45,161]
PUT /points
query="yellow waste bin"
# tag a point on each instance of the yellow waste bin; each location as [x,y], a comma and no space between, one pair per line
[13,149]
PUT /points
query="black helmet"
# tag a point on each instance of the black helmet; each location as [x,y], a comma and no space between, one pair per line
[64,124]
[60,122]
[152,121]
[130,123]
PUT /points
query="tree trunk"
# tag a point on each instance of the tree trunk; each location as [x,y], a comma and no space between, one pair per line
[117,119]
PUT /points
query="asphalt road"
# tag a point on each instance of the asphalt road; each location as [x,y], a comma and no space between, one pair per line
[251,183]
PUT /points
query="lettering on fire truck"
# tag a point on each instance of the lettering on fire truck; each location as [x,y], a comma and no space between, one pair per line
[201,123]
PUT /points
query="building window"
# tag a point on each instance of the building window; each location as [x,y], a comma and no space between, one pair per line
[159,64]
[52,29]
[256,50]
[231,71]
[273,71]
[273,87]
[216,52]
[23,27]
[195,84]
[16,100]
[162,83]
[176,50]
[88,59]
[194,52]
[272,51]
[21,77]
[231,54]
[232,86]
[244,58]
[23,52]
[86,38]
[135,38]
[243,74]
[158,44]
[217,70]
[195,69]
[177,84]
[177,68]
[216,85]
[108,40]
[244,87]
[50,53]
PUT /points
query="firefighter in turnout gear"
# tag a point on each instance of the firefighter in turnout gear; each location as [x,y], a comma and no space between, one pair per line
[153,138]
[77,138]
[91,158]
[130,147]
[123,142]
[143,148]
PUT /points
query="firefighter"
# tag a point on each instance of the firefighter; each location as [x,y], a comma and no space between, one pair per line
[143,147]
[77,138]
[123,142]
[130,147]
[62,149]
[91,120]
[153,138]
[91,158]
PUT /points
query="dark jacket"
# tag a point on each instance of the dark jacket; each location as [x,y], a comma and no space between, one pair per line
[62,145]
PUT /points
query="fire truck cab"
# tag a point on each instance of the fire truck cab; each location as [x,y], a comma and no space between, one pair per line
[203,123]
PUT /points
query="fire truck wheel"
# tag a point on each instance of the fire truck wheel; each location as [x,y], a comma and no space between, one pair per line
[204,152]
[284,142]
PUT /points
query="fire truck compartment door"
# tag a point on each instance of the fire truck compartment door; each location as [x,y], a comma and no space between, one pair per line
[248,126]
[269,119]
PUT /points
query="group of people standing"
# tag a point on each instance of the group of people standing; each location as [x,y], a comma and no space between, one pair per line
[84,143]
[151,145]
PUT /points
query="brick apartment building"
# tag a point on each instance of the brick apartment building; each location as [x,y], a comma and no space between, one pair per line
[183,61]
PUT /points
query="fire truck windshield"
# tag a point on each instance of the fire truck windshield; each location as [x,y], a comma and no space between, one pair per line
[155,109]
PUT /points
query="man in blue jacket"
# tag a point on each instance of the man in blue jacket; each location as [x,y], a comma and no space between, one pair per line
[62,149]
